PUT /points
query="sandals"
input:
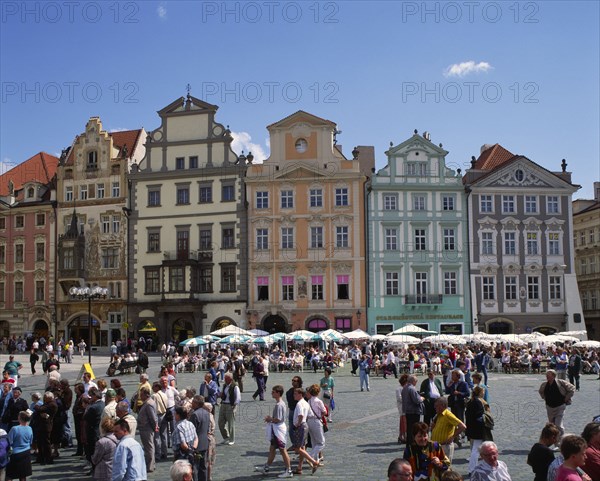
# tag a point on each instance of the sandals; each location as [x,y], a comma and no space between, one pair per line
[297,471]
[315,467]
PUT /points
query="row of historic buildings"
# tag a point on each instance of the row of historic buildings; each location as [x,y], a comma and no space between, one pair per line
[189,236]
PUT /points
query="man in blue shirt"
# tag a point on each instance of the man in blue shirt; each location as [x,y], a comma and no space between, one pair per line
[128,461]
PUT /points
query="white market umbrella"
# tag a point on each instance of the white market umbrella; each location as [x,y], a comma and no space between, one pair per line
[300,335]
[329,335]
[444,339]
[376,337]
[360,334]
[412,330]
[592,344]
[231,330]
[554,338]
[191,342]
[234,339]
[258,332]
[402,339]
[581,335]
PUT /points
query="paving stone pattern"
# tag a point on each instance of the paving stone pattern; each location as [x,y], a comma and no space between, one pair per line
[362,439]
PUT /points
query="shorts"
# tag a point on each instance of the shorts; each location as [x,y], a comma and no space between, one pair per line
[277,443]
[299,436]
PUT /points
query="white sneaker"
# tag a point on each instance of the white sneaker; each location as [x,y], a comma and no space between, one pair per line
[286,474]
[230,443]
[262,469]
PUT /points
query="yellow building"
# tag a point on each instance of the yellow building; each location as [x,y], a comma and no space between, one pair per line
[306,238]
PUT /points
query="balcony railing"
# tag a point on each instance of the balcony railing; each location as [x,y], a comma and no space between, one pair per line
[186,255]
[424,299]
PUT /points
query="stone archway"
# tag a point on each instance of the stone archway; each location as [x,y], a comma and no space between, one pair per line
[222,322]
[500,325]
[77,329]
[545,330]
[40,329]
[182,330]
[274,323]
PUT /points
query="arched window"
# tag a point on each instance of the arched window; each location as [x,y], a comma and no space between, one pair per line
[30,192]
[316,325]
[92,161]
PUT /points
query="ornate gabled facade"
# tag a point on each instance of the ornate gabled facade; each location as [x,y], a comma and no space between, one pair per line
[586,239]
[92,194]
[306,230]
[417,242]
[521,256]
[27,247]
[188,226]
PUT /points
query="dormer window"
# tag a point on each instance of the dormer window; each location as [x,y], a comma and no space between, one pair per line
[92,162]
[30,192]
[301,146]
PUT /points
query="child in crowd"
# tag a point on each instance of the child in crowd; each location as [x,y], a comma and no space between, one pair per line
[541,456]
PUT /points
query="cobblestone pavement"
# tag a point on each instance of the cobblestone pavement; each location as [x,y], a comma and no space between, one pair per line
[362,439]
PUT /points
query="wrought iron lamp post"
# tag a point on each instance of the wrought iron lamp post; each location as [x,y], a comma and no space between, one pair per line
[89,293]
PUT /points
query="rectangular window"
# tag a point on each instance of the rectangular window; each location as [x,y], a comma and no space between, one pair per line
[287,237]
[68,194]
[449,240]
[416,169]
[206,279]
[205,238]
[532,244]
[485,204]
[343,324]
[40,220]
[316,237]
[105,219]
[40,251]
[555,287]
[421,288]
[2,223]
[390,202]
[153,198]
[19,222]
[262,284]
[419,202]
[341,197]
[287,199]
[391,239]
[100,191]
[531,204]
[262,239]
[180,163]
[510,243]
[448,202]
[110,258]
[510,288]
[194,162]
[2,297]
[228,238]
[343,287]
[553,244]
[92,162]
[262,200]
[205,194]
[116,224]
[19,253]
[287,285]
[2,254]
[228,281]
[450,286]
[508,204]
[153,241]
[316,198]
[552,205]
[488,285]
[591,236]
[83,192]
[533,287]
[19,291]
[341,237]
[316,288]
[116,189]
[182,242]
[40,292]
[227,193]
[68,256]
[420,240]
[183,195]
[487,243]
[392,283]
[177,279]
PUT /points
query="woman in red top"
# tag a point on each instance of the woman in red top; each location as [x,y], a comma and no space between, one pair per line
[591,434]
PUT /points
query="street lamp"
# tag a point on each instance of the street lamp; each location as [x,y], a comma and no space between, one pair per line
[88,293]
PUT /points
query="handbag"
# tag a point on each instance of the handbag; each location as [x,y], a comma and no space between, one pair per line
[488,420]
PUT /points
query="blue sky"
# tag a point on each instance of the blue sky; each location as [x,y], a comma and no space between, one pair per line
[526,74]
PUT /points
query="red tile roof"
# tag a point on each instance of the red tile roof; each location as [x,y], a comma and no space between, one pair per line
[127,138]
[493,157]
[41,168]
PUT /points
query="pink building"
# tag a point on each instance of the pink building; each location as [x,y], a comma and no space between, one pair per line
[27,247]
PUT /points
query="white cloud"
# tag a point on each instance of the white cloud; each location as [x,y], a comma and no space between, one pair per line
[161,11]
[5,165]
[243,141]
[465,68]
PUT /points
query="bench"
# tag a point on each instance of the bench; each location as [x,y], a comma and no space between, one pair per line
[124,367]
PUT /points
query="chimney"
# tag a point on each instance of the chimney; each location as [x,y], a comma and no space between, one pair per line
[597,191]
[484,147]
[366,159]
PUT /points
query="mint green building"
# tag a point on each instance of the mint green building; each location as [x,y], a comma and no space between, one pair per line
[417,242]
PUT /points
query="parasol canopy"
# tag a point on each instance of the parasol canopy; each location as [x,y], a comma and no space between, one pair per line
[231,330]
[359,334]
[412,330]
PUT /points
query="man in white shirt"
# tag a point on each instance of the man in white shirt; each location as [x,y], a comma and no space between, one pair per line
[489,468]
[230,400]
[87,382]
[431,389]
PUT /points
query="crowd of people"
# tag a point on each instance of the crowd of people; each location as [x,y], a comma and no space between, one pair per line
[449,408]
